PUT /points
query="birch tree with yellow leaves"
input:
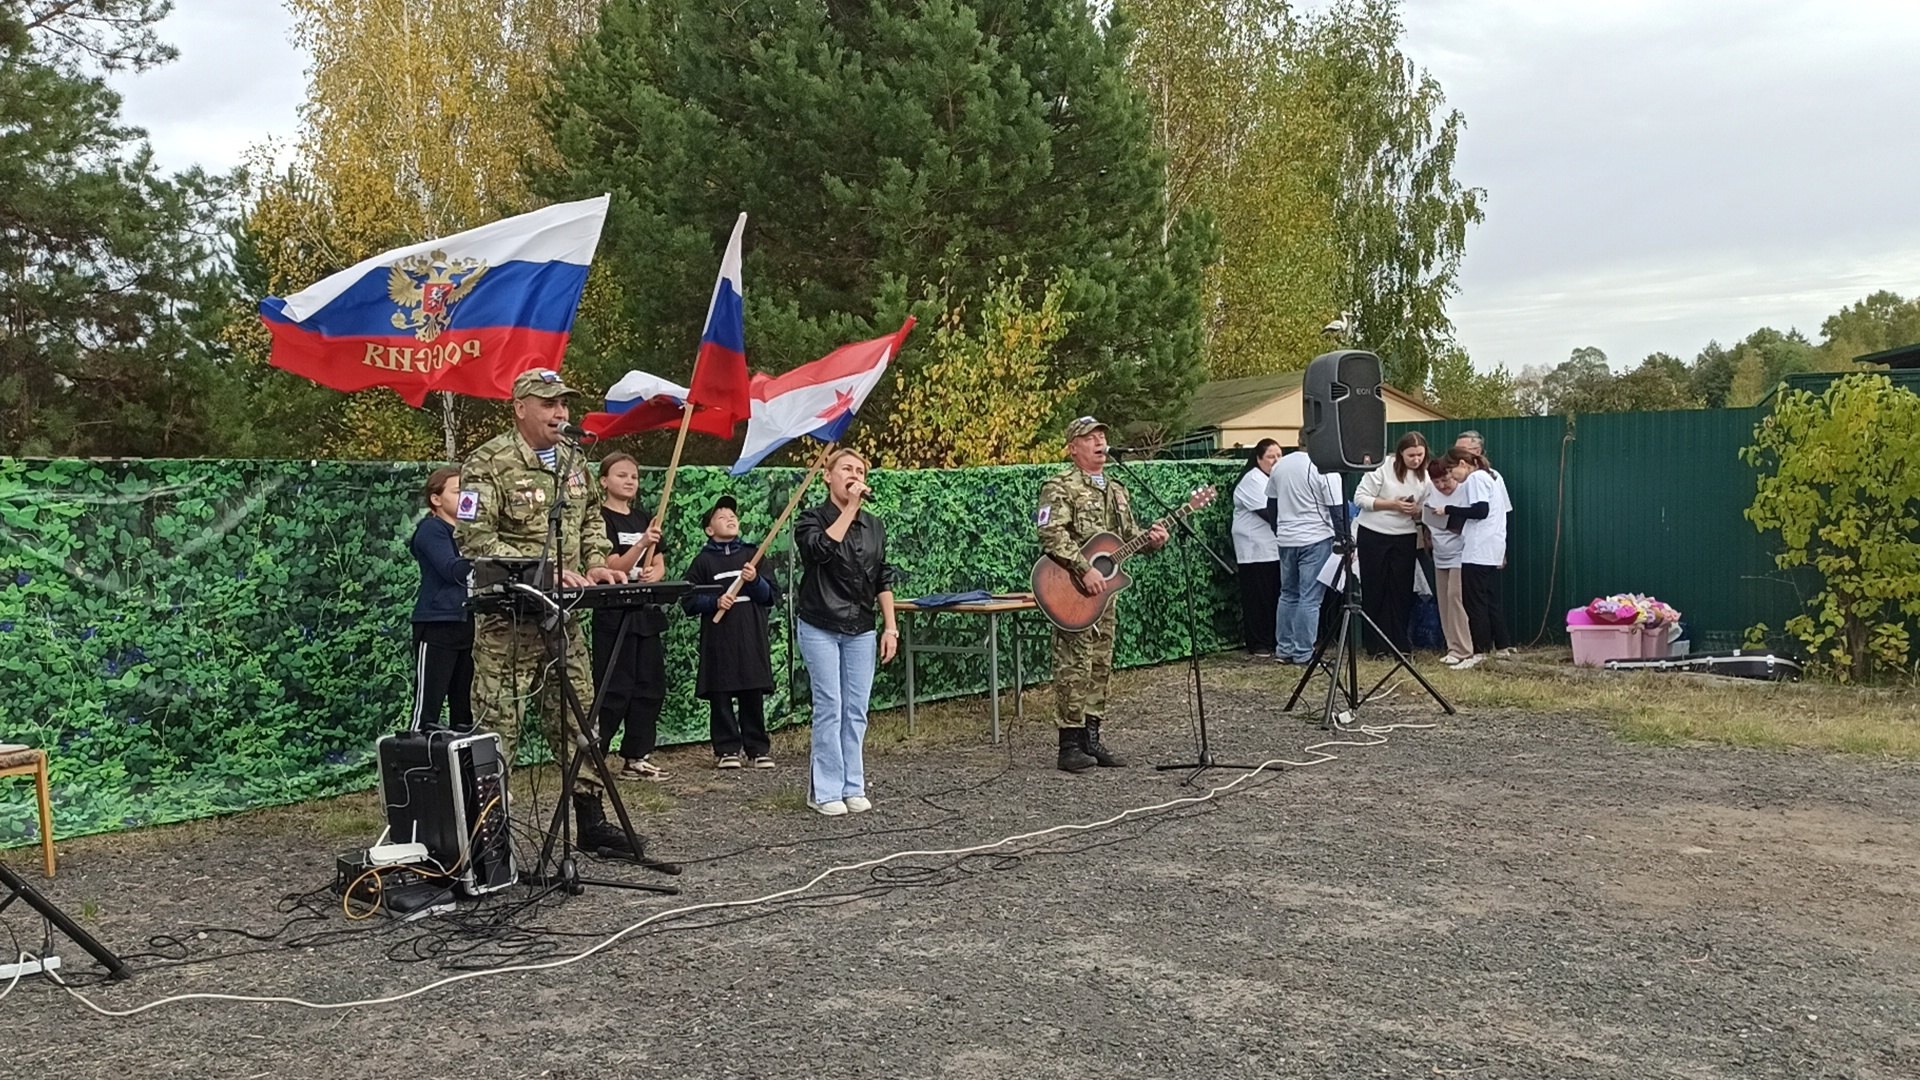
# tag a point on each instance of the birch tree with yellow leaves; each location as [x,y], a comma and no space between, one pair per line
[420,121]
[1325,155]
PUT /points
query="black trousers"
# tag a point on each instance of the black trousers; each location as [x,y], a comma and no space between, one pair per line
[443,674]
[632,689]
[1486,612]
[741,731]
[1386,587]
[1259,603]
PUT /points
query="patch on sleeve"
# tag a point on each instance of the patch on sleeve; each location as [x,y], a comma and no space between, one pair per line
[1045,516]
[469,508]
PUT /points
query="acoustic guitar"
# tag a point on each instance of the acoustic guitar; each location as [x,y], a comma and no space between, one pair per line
[1057,589]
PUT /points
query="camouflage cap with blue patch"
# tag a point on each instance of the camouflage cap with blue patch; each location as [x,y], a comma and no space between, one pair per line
[541,383]
[1086,425]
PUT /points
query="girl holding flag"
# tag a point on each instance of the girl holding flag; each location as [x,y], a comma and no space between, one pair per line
[632,681]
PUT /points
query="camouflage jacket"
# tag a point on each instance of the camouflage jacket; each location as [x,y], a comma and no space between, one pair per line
[505,493]
[1073,509]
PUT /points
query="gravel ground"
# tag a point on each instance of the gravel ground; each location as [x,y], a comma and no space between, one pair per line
[1503,895]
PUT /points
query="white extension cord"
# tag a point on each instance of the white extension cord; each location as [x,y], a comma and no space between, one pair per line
[1374,736]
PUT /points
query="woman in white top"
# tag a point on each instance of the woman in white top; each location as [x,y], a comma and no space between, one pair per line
[1388,541]
[1256,548]
[1447,549]
[1481,519]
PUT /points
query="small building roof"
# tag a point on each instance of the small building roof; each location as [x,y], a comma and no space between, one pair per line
[1906,356]
[1215,403]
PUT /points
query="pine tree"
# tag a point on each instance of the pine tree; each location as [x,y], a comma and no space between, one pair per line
[107,268]
[889,155]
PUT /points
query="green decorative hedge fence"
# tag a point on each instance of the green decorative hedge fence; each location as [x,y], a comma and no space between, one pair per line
[193,638]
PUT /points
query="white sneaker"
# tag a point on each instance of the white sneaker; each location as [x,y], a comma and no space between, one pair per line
[1509,651]
[859,804]
[832,809]
[1449,659]
[1468,662]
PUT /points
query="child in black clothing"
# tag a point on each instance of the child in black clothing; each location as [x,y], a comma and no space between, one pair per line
[736,663]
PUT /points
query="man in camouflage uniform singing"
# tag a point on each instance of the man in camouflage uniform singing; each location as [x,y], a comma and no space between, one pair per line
[1075,506]
[508,487]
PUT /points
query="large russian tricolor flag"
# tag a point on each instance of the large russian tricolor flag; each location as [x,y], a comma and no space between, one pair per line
[817,399]
[465,314]
[720,369]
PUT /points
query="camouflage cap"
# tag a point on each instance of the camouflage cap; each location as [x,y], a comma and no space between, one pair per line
[541,383]
[1086,425]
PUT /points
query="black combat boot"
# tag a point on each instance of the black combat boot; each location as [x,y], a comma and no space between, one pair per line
[1073,750]
[596,832]
[1106,758]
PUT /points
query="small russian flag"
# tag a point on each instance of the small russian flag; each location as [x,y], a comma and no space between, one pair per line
[643,402]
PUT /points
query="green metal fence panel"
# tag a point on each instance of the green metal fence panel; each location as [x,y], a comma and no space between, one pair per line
[1526,451]
[1631,502]
[1657,504]
[1816,382]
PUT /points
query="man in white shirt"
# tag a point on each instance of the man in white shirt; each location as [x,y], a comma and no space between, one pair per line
[1307,503]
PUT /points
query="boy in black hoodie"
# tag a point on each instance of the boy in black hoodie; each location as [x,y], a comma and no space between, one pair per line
[736,663]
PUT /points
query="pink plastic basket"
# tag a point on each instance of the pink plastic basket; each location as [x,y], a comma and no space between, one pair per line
[1653,643]
[1593,646]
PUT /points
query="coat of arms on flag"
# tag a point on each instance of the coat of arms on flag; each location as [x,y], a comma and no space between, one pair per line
[431,285]
[464,313]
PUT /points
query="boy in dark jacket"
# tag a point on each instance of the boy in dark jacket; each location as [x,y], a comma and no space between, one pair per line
[736,663]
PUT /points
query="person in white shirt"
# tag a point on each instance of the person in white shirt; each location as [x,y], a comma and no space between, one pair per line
[1387,538]
[1447,549]
[1256,549]
[1482,524]
[1474,444]
[1307,503]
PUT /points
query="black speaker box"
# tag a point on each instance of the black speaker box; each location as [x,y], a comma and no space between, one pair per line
[1344,412]
[449,791]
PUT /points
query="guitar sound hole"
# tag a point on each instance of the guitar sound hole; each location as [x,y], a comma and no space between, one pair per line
[1104,564]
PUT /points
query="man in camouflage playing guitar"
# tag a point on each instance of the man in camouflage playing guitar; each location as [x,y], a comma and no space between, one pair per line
[1076,505]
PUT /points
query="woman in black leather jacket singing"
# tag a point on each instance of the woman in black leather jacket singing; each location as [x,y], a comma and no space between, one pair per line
[845,577]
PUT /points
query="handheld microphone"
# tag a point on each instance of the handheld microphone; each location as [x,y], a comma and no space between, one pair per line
[1118,452]
[576,433]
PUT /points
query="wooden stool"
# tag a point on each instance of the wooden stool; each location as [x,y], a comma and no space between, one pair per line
[34,763]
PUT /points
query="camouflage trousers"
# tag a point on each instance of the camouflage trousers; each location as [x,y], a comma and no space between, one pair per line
[1082,668]
[511,671]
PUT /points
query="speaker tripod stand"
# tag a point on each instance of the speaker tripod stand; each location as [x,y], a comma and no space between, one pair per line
[16,888]
[1343,670]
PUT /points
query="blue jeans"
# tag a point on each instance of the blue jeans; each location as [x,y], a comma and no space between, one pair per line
[1296,623]
[840,667]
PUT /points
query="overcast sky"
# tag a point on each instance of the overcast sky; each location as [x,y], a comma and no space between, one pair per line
[1659,173]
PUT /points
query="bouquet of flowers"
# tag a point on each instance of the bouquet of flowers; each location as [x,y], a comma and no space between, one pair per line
[1632,609]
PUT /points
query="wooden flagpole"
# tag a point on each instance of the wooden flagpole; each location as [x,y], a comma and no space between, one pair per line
[779,524]
[686,409]
[673,465]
